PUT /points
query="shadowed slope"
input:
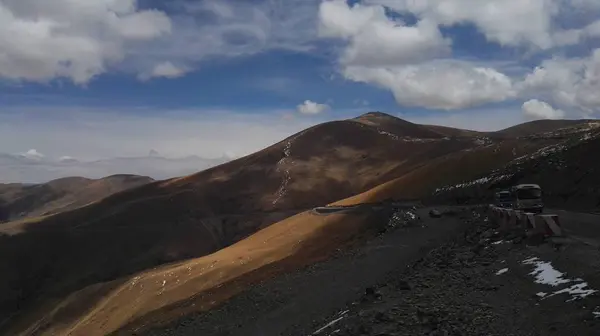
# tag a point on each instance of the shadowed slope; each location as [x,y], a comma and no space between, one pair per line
[20,201]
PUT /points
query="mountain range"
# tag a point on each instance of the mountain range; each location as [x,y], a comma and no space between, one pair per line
[127,259]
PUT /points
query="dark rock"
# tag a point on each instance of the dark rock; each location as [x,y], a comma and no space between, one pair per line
[433,213]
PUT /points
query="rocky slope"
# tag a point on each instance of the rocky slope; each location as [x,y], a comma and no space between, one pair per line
[567,171]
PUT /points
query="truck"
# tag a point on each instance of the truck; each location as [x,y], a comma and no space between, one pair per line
[527,197]
[503,199]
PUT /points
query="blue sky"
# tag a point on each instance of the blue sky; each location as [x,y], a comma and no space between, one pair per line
[264,69]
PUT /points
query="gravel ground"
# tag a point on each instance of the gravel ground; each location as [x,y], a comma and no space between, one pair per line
[454,275]
[479,285]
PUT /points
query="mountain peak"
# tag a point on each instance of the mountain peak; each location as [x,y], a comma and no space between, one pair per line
[376,114]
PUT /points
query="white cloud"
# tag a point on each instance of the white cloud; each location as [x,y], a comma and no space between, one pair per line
[383,51]
[42,40]
[442,85]
[33,154]
[310,107]
[508,22]
[536,109]
[376,40]
[572,83]
[165,70]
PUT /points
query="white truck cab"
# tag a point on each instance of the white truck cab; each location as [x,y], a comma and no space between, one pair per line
[528,198]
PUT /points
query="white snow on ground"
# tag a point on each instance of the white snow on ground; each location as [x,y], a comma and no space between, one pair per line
[577,291]
[596,313]
[283,164]
[483,180]
[546,274]
[543,152]
[483,141]
[393,136]
[411,215]
[342,316]
[502,271]
[498,242]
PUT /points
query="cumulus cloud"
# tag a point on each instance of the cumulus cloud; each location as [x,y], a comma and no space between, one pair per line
[535,109]
[572,83]
[376,40]
[508,22]
[411,59]
[165,70]
[41,40]
[443,85]
[384,51]
[311,107]
[32,154]
[514,23]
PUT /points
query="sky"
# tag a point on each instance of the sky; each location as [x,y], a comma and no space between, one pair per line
[93,87]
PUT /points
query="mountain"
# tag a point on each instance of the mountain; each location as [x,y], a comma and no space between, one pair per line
[39,169]
[22,200]
[235,208]
[541,126]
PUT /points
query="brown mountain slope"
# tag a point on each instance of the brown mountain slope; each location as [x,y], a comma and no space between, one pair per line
[160,295]
[454,132]
[196,215]
[20,201]
[540,126]
[49,258]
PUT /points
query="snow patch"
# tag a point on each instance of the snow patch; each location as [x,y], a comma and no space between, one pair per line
[502,271]
[480,181]
[547,275]
[544,272]
[393,136]
[498,242]
[577,291]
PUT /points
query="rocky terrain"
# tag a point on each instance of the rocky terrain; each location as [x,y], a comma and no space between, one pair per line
[152,255]
[566,171]
[481,284]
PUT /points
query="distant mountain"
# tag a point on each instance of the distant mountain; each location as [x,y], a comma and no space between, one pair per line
[32,168]
[84,255]
[23,200]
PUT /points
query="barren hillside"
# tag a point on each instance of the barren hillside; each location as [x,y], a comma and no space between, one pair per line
[19,201]
[47,259]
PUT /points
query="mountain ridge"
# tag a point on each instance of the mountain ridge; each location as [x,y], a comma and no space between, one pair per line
[196,215]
